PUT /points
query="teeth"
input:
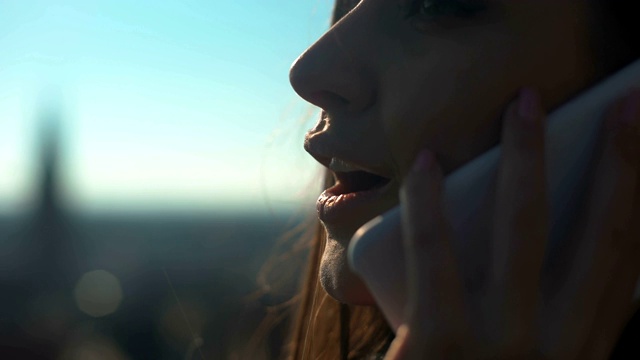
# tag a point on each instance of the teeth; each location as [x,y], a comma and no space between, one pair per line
[338,165]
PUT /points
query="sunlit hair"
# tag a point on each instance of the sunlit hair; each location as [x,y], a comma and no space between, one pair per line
[322,328]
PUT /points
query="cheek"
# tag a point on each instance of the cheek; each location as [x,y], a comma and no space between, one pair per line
[451,108]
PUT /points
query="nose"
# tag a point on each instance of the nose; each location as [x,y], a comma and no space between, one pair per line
[332,73]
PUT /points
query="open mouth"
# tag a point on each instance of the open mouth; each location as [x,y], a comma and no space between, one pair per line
[356,181]
[355,194]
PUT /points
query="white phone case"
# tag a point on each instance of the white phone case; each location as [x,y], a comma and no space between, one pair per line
[376,253]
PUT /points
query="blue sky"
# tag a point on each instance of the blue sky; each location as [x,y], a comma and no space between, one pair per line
[165,104]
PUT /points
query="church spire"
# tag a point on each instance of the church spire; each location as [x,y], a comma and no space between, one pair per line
[49,197]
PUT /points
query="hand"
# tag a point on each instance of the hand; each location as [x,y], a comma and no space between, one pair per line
[528,308]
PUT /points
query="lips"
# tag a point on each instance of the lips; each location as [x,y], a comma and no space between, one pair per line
[354,193]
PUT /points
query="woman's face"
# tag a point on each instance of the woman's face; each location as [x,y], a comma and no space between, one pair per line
[394,76]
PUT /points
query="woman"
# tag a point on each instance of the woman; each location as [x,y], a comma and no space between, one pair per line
[410,91]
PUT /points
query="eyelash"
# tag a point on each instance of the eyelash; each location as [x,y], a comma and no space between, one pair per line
[432,9]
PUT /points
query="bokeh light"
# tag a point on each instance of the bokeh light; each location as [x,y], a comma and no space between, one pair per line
[98,293]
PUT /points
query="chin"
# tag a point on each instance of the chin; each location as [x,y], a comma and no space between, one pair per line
[338,280]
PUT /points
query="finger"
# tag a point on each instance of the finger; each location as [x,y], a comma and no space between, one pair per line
[608,211]
[521,213]
[434,289]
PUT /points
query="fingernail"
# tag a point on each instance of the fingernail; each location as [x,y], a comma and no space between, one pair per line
[424,161]
[528,103]
[630,109]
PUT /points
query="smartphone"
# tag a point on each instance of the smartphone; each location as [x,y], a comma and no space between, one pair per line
[376,253]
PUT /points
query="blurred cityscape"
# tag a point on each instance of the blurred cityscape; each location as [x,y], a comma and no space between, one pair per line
[123,286]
